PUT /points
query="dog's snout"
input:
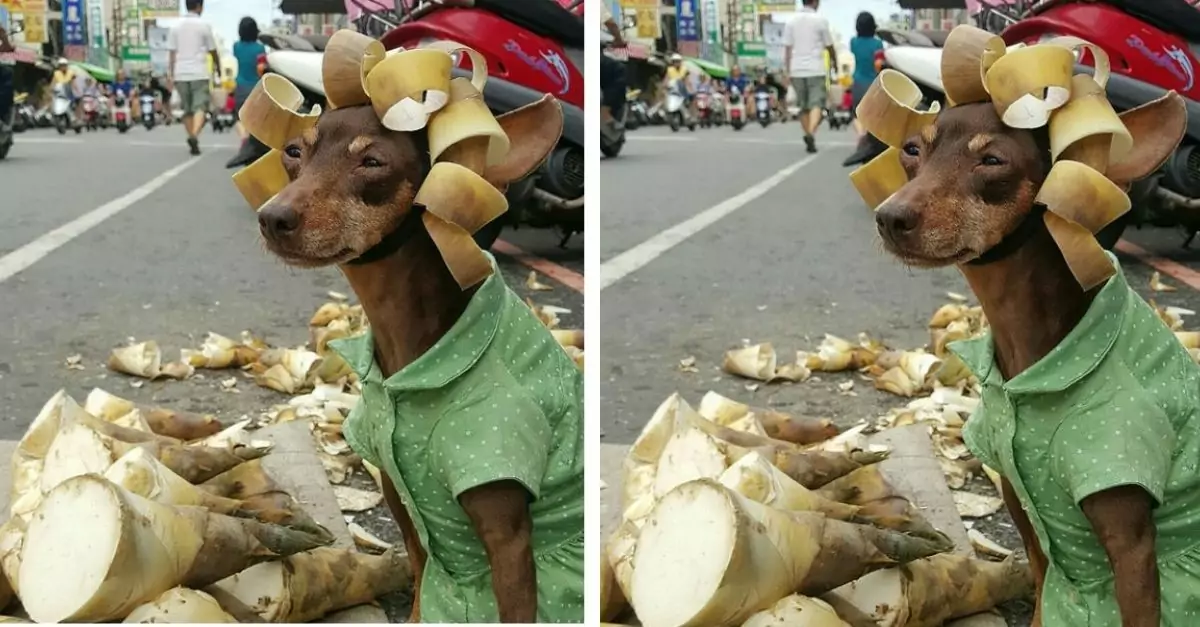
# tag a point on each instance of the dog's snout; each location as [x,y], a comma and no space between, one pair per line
[277,219]
[894,219]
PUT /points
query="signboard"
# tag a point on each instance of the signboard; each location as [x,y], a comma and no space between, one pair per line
[712,33]
[751,49]
[95,28]
[773,33]
[776,6]
[135,53]
[152,9]
[649,26]
[640,4]
[156,37]
[72,23]
[34,15]
[687,21]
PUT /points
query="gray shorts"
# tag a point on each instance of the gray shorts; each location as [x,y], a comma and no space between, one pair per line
[811,92]
[194,96]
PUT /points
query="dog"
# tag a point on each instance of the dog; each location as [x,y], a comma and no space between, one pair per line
[1089,403]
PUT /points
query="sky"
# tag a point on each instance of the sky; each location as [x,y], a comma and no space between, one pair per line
[841,13]
[224,15]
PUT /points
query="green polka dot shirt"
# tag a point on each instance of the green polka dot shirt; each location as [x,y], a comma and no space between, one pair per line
[495,399]
[1114,404]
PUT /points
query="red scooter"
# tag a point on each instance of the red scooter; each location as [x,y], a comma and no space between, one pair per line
[1153,46]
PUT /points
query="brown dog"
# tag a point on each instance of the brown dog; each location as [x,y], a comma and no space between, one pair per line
[351,192]
[970,202]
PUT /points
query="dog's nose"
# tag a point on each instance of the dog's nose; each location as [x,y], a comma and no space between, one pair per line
[894,219]
[277,219]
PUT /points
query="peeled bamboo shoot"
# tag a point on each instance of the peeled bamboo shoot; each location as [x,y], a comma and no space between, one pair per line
[797,611]
[180,605]
[93,551]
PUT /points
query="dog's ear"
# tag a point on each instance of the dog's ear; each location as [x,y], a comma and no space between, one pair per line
[532,131]
[1157,128]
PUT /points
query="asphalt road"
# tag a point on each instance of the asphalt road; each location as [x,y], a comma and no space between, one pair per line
[705,243]
[181,261]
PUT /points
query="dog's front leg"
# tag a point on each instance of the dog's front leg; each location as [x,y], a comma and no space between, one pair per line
[412,542]
[1122,520]
[1037,559]
[499,512]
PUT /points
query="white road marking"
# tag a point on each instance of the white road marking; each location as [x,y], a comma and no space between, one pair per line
[658,138]
[29,254]
[181,145]
[635,258]
[21,139]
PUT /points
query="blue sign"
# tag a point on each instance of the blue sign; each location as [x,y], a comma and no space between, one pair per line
[72,20]
[687,21]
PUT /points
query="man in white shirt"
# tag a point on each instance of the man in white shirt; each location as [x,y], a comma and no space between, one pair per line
[191,42]
[806,38]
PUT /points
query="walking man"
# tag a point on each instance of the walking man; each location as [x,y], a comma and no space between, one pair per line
[806,38]
[189,43]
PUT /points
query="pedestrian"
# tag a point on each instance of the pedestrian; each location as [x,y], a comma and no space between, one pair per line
[189,43]
[246,51]
[613,81]
[863,46]
[806,38]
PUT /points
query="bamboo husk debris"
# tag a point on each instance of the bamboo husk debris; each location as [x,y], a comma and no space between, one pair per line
[726,527]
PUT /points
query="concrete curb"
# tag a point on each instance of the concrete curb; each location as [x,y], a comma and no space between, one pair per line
[294,464]
[911,467]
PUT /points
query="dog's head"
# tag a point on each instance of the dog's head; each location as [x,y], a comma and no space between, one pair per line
[973,180]
[353,181]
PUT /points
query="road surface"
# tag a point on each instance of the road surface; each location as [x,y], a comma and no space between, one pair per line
[714,237]
[108,237]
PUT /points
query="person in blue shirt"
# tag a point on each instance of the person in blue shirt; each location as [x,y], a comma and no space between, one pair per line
[122,85]
[863,47]
[246,50]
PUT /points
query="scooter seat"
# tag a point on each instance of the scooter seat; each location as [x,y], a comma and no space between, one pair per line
[543,17]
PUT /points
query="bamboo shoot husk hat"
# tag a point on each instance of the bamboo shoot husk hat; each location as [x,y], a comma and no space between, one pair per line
[1030,87]
[409,90]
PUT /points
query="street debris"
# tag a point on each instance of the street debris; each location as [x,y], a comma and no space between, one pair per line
[688,364]
[819,531]
[74,362]
[1157,285]
[533,284]
[193,527]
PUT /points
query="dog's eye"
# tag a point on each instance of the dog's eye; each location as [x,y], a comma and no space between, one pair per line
[912,150]
[992,160]
[371,162]
[292,151]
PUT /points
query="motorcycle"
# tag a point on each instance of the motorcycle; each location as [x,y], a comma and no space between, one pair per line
[63,110]
[91,112]
[704,109]
[762,107]
[737,109]
[532,48]
[638,114]
[1139,74]
[25,116]
[122,118]
[676,110]
[147,102]
[719,111]
[105,113]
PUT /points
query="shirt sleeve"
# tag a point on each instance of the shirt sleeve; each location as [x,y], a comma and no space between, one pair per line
[976,437]
[173,39]
[492,437]
[1123,439]
[826,35]
[210,42]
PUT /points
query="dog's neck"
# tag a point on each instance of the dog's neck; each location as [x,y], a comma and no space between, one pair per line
[1031,300]
[410,298]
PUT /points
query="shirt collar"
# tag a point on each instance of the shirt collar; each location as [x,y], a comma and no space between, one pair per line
[450,357]
[1074,358]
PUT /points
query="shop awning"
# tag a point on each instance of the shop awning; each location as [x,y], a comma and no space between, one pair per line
[102,74]
[712,69]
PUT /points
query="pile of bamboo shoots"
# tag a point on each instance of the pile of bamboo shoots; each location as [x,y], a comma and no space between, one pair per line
[123,512]
[726,524]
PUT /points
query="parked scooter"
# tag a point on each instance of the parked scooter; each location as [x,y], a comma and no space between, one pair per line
[63,110]
[25,116]
[676,110]
[638,114]
[146,102]
[122,118]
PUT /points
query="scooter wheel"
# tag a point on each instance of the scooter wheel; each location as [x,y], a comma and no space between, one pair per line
[692,126]
[674,126]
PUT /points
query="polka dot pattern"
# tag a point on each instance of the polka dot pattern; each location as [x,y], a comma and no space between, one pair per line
[495,399]
[1114,404]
